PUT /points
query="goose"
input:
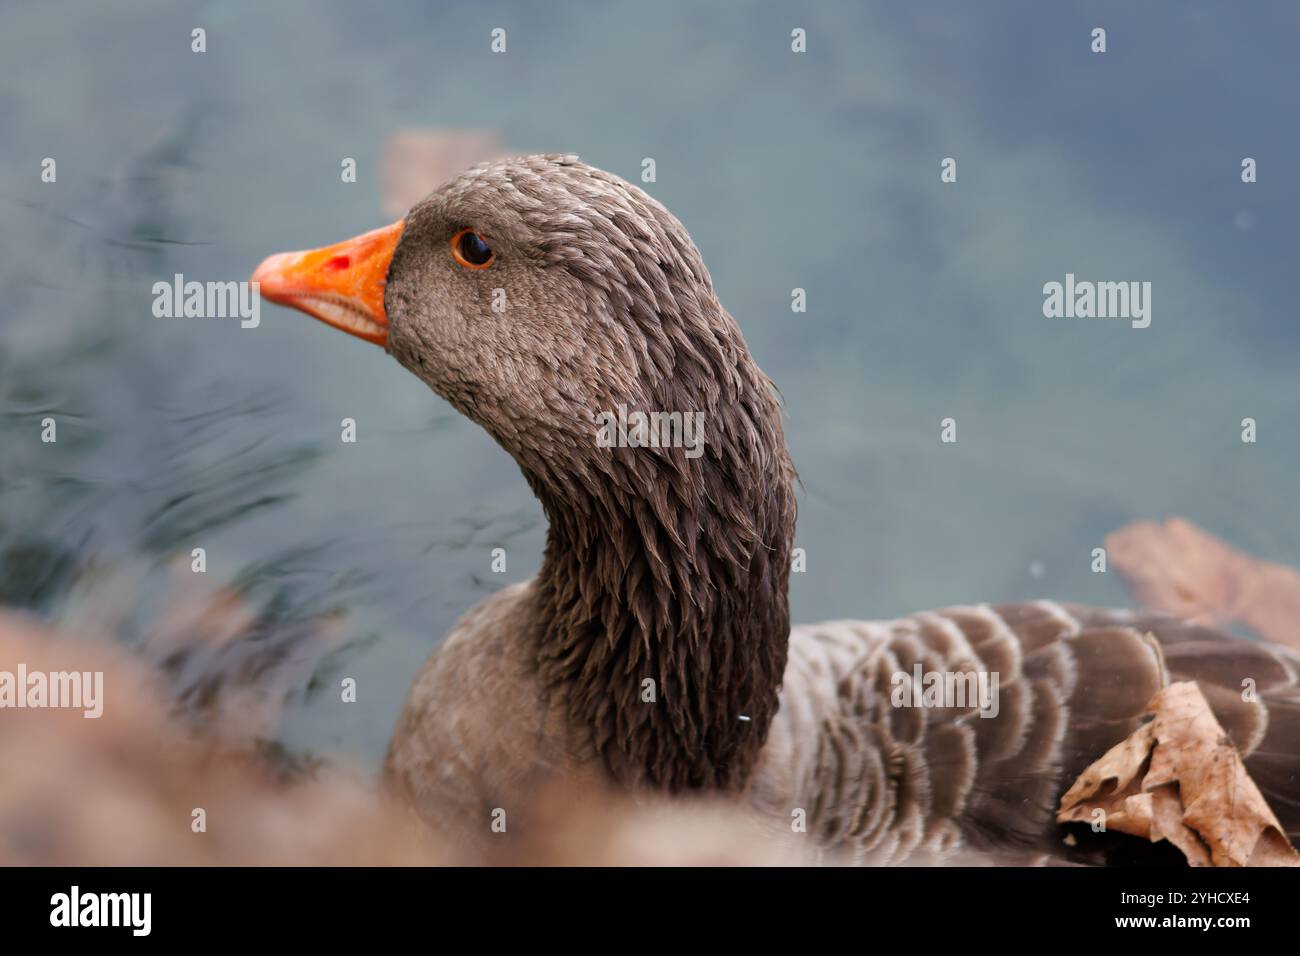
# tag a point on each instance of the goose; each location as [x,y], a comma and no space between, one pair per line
[653,651]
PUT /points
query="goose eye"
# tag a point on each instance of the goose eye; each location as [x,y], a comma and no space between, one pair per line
[469,249]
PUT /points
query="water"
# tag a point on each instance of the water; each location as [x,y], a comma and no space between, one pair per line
[818,171]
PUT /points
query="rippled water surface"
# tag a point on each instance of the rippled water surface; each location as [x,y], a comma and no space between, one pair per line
[818,171]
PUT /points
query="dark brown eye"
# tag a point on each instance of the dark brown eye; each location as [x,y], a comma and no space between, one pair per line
[469,249]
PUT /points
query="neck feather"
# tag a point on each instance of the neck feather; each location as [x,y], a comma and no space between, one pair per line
[663,616]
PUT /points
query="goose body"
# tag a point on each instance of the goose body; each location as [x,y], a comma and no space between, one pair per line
[869,780]
[654,650]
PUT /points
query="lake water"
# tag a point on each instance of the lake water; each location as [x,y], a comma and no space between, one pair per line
[818,170]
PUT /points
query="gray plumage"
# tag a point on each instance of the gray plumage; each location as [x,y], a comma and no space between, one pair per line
[665,568]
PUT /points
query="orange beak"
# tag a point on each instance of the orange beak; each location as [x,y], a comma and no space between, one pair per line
[342,285]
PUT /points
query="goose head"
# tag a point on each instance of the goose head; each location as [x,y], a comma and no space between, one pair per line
[548,300]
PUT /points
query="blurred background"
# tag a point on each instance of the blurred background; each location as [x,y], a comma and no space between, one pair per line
[819,170]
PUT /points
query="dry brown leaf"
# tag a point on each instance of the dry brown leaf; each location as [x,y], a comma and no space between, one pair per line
[1179,568]
[120,790]
[417,161]
[1178,778]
